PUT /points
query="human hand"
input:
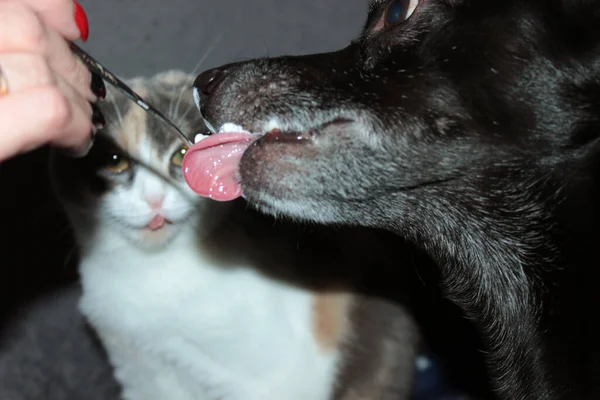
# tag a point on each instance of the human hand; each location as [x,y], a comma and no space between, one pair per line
[47,92]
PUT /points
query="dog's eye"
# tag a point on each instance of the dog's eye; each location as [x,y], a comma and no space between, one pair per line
[399,11]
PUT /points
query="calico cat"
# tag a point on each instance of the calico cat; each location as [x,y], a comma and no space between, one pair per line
[196,299]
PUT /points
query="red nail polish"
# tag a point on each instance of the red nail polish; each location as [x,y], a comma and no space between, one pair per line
[81,21]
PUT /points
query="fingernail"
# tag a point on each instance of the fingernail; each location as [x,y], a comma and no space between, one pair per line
[97,86]
[97,118]
[82,21]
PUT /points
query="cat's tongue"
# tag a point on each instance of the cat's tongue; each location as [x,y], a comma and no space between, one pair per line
[210,166]
[156,223]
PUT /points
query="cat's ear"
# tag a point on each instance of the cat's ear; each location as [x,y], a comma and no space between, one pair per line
[174,77]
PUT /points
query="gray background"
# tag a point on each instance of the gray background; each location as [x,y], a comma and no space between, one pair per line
[141,37]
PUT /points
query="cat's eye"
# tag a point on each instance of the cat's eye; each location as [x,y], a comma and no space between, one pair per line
[115,163]
[177,158]
[399,11]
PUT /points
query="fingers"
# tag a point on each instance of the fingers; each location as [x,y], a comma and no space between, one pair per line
[26,70]
[23,31]
[50,90]
[58,14]
[56,119]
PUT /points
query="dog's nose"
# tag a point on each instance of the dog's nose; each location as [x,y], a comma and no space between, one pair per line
[208,82]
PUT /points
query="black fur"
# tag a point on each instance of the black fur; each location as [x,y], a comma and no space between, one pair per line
[471,129]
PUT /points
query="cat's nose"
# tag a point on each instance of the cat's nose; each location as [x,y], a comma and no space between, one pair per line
[208,82]
[155,202]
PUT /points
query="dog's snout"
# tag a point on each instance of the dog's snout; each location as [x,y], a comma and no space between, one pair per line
[208,82]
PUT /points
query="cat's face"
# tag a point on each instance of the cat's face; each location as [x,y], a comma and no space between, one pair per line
[131,182]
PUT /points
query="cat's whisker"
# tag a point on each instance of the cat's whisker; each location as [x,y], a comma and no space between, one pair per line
[127,211]
[150,168]
[70,255]
[50,216]
[190,108]
[117,110]
[173,111]
[63,231]
[207,53]
[170,113]
[42,214]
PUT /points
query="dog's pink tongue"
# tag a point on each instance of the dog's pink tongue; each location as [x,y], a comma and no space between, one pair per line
[210,166]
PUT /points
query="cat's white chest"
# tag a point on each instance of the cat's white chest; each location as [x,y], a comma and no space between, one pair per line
[179,328]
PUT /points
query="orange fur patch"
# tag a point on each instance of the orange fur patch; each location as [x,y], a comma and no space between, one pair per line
[330,319]
[133,128]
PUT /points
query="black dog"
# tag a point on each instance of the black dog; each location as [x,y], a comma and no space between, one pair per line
[469,127]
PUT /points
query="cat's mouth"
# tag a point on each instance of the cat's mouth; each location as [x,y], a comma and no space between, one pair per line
[158,222]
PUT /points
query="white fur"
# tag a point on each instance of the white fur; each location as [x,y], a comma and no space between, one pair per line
[179,325]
